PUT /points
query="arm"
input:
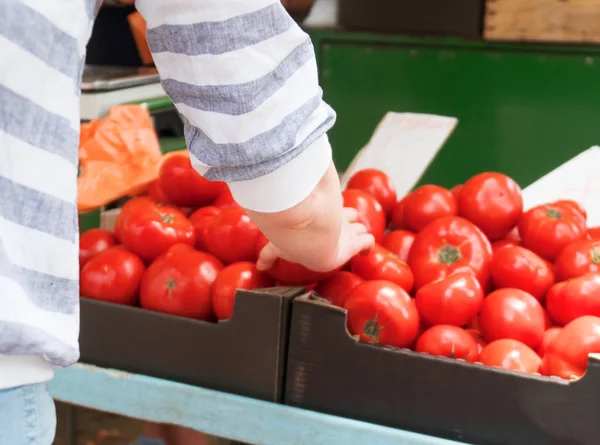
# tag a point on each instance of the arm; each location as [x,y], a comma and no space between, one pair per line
[243,76]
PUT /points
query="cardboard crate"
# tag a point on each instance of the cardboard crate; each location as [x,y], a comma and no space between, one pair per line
[575,21]
[330,372]
[430,17]
[244,355]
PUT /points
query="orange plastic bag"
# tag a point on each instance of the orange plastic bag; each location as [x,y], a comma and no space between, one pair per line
[119,156]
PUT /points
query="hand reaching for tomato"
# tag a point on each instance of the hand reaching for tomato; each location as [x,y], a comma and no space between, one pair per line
[353,239]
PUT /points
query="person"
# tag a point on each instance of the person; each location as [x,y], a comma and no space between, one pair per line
[243,77]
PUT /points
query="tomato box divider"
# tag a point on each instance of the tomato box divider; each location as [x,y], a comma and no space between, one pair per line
[330,372]
[244,355]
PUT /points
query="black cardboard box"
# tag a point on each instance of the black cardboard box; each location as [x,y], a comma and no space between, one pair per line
[244,355]
[330,372]
[430,17]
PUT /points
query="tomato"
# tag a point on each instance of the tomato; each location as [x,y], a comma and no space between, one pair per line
[127,208]
[493,202]
[447,245]
[497,245]
[291,274]
[594,233]
[572,205]
[512,313]
[567,354]
[149,229]
[513,235]
[232,236]
[520,268]
[512,355]
[574,298]
[113,275]
[202,220]
[453,300]
[382,312]
[549,336]
[336,288]
[456,191]
[397,215]
[242,275]
[92,242]
[225,200]
[381,264]
[399,243]
[577,259]
[184,186]
[478,337]
[548,229]
[377,184]
[179,283]
[426,204]
[474,324]
[448,341]
[370,212]
[155,192]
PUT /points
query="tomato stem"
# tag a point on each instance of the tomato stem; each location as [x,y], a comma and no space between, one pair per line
[595,254]
[553,213]
[449,254]
[371,330]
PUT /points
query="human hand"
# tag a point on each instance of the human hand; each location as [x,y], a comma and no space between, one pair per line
[353,239]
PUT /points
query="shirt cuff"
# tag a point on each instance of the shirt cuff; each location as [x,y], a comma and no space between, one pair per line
[287,186]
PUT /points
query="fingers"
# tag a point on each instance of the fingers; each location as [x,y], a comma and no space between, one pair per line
[363,244]
[351,214]
[358,228]
[267,257]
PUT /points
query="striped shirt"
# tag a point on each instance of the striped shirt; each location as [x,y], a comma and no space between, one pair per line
[243,77]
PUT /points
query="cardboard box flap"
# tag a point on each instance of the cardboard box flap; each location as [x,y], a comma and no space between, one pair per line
[403,146]
[576,179]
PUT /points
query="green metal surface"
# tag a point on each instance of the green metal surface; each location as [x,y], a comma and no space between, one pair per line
[522,109]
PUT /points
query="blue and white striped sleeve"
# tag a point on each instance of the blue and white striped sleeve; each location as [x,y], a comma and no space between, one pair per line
[243,76]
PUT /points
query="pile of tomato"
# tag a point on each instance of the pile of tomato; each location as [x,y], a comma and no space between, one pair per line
[464,273]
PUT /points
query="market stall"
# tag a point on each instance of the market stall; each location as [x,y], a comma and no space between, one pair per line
[299,358]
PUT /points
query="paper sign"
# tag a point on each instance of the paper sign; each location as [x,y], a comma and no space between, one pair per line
[403,146]
[578,179]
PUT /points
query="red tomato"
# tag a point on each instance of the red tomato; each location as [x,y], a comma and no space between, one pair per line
[512,313]
[127,208]
[548,229]
[225,200]
[399,243]
[179,283]
[113,275]
[92,242]
[377,184]
[520,268]
[567,354]
[291,274]
[493,202]
[184,186]
[478,337]
[149,229]
[549,336]
[370,212]
[155,192]
[397,215]
[336,288]
[232,236]
[573,205]
[512,355]
[453,300]
[474,324]
[574,298]
[577,259]
[594,233]
[456,191]
[383,313]
[448,341]
[202,220]
[236,276]
[381,264]
[426,204]
[497,245]
[447,245]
